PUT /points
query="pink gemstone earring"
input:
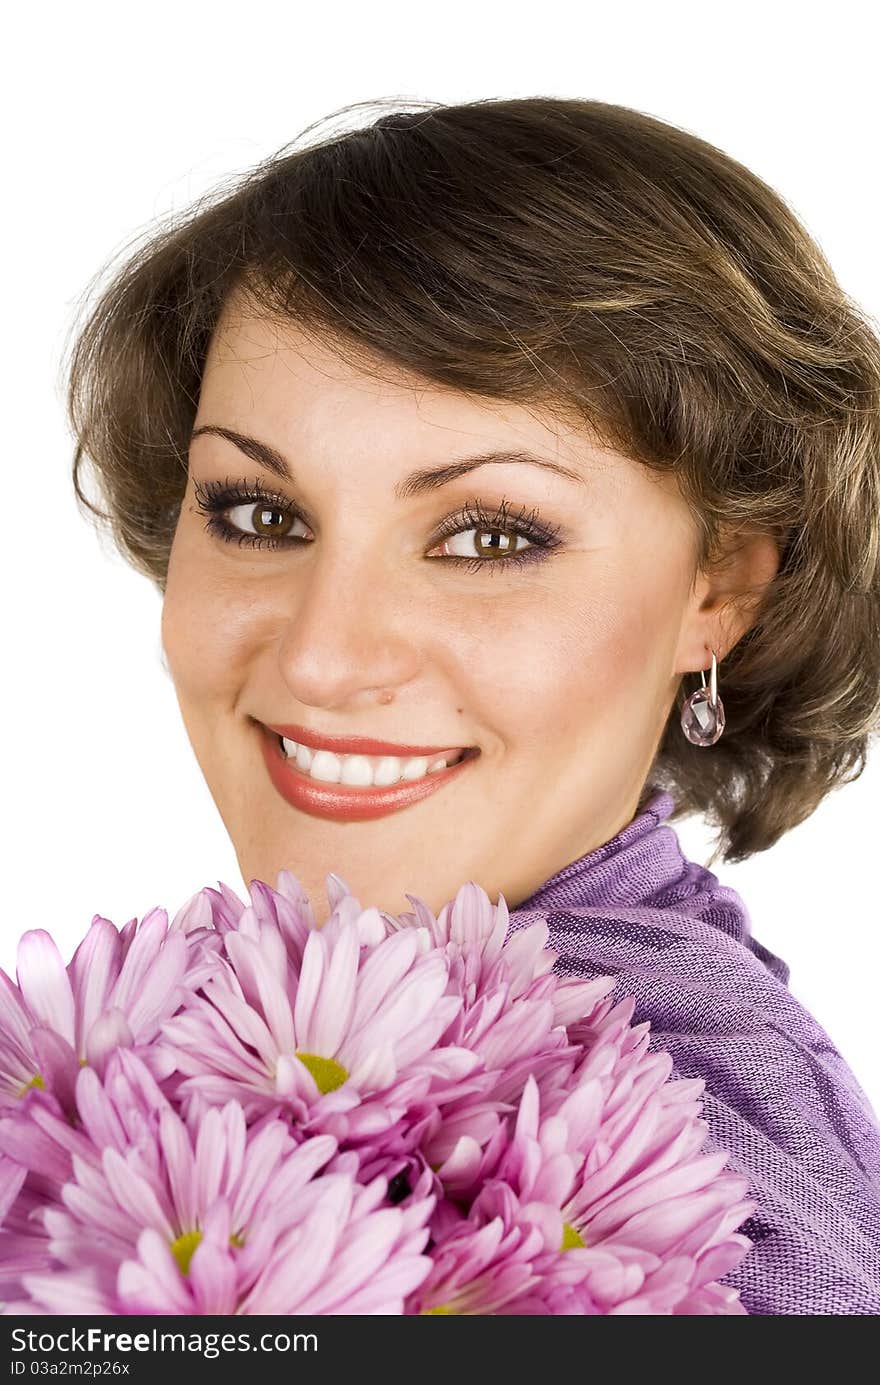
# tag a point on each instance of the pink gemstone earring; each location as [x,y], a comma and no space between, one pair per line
[702,716]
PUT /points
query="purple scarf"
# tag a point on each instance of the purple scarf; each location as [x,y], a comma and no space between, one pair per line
[778,1095]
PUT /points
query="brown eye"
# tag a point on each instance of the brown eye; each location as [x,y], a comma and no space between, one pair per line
[487,543]
[495,539]
[268,521]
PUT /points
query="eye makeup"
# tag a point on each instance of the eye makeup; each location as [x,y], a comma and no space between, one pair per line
[214,498]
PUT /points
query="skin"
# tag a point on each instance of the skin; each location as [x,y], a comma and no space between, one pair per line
[563,671]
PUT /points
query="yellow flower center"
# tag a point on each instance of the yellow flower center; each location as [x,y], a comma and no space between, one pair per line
[328,1074]
[36,1081]
[441,1308]
[571,1237]
[184,1247]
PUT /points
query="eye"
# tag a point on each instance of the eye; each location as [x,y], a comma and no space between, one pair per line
[486,540]
[496,539]
[267,520]
[263,518]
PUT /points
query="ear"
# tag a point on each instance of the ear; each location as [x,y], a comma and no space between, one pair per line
[726,598]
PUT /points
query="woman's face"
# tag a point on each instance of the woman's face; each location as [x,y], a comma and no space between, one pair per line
[390,611]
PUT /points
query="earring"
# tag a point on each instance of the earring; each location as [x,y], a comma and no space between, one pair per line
[702,716]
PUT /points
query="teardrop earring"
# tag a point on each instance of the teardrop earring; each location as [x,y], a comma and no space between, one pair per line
[702,716]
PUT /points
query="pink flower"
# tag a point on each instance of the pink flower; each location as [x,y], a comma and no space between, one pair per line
[513,1016]
[480,1269]
[343,1034]
[471,931]
[39,1141]
[534,1241]
[210,1217]
[245,1113]
[116,991]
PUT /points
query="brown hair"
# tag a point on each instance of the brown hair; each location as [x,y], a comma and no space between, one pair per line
[585,256]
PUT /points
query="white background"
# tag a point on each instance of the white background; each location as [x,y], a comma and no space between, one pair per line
[116,115]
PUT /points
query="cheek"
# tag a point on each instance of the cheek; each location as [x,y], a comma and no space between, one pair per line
[629,639]
[582,664]
[538,667]
[579,673]
[208,623]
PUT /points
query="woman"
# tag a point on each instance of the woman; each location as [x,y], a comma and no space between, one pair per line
[457,445]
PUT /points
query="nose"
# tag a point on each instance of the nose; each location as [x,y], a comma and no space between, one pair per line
[350,631]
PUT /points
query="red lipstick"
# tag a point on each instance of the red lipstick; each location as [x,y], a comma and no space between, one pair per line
[345,802]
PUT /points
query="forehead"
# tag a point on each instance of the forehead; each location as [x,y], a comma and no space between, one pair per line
[300,389]
[280,363]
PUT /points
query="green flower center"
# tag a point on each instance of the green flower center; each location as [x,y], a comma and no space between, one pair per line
[36,1081]
[184,1247]
[328,1074]
[571,1237]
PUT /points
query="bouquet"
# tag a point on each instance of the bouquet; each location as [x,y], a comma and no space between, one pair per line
[241,1112]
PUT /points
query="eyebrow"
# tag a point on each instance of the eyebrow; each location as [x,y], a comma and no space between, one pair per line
[415,483]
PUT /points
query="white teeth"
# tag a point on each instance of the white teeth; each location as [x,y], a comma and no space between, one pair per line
[387,771]
[356,769]
[326,766]
[363,770]
[415,768]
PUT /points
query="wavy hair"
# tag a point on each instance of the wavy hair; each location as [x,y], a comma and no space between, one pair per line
[582,256]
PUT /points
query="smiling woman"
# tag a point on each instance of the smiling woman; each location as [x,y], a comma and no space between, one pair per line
[438,586]
[455,444]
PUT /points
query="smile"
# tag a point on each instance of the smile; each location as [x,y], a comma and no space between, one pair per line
[354,788]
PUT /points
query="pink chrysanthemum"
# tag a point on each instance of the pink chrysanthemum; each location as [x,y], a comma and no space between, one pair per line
[369,1083]
[116,992]
[513,1016]
[345,1038]
[159,1216]
[532,1242]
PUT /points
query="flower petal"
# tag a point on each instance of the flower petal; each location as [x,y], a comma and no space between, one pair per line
[44,983]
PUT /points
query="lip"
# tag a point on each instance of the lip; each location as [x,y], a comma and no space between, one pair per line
[348,802]
[358,745]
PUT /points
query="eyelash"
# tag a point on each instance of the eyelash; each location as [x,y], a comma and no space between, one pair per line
[214,497]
